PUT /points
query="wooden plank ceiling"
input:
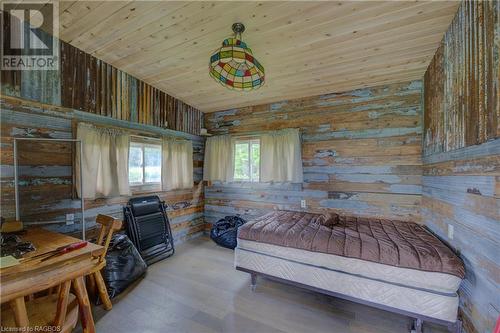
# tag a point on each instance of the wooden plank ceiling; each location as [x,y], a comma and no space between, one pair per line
[307,48]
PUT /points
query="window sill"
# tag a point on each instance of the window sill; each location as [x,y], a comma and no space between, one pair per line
[245,182]
[145,188]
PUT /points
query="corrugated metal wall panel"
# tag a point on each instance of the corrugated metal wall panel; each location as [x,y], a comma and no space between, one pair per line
[461,183]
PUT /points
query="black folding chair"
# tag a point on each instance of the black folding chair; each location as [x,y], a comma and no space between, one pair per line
[149,228]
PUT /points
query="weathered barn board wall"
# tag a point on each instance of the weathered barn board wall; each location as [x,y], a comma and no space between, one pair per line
[46,179]
[86,83]
[45,103]
[361,154]
[92,85]
[462,81]
[461,172]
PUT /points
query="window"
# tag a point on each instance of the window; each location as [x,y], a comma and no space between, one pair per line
[247,160]
[144,163]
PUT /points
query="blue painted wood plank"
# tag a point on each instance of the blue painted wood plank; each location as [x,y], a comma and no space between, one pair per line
[480,185]
[486,149]
[368,133]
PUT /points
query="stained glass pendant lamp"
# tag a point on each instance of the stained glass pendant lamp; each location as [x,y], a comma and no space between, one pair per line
[234,66]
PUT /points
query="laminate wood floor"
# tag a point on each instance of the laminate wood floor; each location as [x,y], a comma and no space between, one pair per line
[198,290]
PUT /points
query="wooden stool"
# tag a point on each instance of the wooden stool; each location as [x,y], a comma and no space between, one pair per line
[108,226]
[51,310]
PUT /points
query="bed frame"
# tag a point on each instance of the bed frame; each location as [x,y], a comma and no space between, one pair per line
[454,327]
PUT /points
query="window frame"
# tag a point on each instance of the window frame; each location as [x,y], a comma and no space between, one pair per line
[143,143]
[250,142]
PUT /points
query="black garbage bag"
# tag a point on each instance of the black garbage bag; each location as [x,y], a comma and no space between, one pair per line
[124,265]
[225,231]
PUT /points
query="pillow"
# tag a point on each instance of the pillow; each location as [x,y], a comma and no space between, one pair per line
[328,219]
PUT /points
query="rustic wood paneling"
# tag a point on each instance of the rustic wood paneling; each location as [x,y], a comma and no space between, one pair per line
[10,80]
[464,192]
[89,84]
[462,82]
[361,154]
[84,82]
[46,176]
[461,171]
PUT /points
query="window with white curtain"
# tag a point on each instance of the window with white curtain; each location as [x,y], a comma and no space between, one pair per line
[177,164]
[247,160]
[104,162]
[114,162]
[273,156]
[144,165]
[219,159]
[281,156]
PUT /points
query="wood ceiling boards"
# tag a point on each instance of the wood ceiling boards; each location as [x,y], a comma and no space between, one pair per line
[307,48]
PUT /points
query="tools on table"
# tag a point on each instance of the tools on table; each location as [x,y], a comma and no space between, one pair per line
[31,277]
[57,252]
[13,245]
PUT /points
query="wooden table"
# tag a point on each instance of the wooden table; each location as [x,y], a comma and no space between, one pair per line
[33,275]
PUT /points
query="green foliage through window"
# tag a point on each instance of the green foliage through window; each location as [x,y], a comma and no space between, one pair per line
[144,163]
[247,160]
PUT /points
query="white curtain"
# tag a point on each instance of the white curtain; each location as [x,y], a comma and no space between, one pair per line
[177,164]
[218,162]
[281,157]
[104,162]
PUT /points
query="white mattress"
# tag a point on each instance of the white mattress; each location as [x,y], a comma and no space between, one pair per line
[439,282]
[326,276]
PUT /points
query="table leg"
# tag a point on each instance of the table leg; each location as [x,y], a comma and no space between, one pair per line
[91,287]
[20,314]
[84,303]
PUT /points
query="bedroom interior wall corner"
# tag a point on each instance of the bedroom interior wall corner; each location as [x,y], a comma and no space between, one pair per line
[461,155]
[48,103]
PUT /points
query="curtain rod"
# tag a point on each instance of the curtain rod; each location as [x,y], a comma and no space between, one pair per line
[146,137]
[258,133]
[136,133]
[123,129]
[160,138]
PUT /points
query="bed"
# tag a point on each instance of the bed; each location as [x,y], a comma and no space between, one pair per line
[395,265]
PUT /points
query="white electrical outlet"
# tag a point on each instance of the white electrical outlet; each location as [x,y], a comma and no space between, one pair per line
[451,230]
[70,219]
[303,204]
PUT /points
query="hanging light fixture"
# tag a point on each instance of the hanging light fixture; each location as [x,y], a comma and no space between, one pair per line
[234,66]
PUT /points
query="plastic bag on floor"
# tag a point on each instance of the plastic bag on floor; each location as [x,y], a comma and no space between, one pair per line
[124,265]
[225,231]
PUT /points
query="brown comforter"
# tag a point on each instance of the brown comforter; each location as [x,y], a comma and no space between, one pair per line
[395,243]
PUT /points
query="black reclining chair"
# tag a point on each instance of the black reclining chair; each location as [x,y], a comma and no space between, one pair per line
[148,228]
